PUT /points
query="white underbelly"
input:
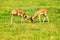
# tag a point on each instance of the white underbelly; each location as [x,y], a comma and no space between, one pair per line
[19,14]
[41,13]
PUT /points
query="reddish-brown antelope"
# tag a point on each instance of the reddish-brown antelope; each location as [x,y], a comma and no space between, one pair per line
[20,13]
[40,12]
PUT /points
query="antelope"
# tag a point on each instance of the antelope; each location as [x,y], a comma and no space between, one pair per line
[40,12]
[21,13]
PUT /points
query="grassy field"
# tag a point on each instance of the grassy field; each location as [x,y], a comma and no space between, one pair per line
[28,30]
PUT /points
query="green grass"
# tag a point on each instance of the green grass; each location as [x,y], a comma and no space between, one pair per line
[28,30]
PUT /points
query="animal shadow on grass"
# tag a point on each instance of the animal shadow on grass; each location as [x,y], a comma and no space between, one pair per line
[40,21]
[31,22]
[22,22]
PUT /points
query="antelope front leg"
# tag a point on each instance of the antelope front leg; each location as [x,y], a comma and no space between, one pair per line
[22,20]
[47,19]
[44,19]
[39,18]
[11,19]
